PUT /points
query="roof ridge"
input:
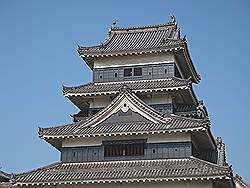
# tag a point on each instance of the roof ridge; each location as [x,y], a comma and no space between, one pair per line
[169,24]
[72,87]
[60,126]
[210,163]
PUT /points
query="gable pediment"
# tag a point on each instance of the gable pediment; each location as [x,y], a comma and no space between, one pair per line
[126,102]
[125,117]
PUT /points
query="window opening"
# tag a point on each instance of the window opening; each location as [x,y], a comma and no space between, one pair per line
[137,71]
[127,72]
[123,149]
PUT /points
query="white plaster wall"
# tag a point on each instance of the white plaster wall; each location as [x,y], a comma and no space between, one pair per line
[134,60]
[155,138]
[150,99]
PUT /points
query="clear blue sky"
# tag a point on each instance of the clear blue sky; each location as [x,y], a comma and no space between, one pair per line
[38,42]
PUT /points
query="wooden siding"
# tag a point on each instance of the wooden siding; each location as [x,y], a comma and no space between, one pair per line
[148,72]
[152,151]
[211,156]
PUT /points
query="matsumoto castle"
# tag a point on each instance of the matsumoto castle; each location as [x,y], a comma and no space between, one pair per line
[140,123]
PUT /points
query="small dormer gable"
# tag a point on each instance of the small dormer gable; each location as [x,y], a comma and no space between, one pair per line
[125,103]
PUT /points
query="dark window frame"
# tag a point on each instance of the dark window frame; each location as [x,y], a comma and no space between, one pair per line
[127,72]
[137,71]
[124,148]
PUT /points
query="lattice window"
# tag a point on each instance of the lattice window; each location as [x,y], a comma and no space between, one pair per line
[126,148]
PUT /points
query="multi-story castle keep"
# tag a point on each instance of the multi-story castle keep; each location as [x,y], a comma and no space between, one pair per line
[140,123]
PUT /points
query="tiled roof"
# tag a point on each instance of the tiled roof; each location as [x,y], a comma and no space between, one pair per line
[136,86]
[4,177]
[96,125]
[132,101]
[221,151]
[121,40]
[143,40]
[238,180]
[173,124]
[119,171]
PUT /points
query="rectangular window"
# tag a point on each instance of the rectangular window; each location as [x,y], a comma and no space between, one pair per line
[127,72]
[137,71]
[123,148]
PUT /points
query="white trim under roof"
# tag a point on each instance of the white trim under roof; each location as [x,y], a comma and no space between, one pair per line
[134,61]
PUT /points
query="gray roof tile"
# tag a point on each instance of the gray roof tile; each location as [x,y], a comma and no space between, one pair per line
[123,171]
[108,87]
[122,40]
[174,123]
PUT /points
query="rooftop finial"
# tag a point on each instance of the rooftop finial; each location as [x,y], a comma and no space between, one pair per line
[40,131]
[114,22]
[172,16]
[184,38]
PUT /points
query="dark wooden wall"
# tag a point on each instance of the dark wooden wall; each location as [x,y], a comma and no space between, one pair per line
[151,151]
[148,72]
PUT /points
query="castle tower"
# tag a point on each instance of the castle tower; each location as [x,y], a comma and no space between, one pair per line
[139,123]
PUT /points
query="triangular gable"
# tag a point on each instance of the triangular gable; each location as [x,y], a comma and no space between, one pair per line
[124,102]
[121,117]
